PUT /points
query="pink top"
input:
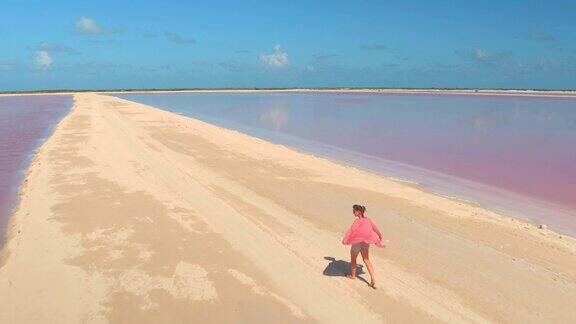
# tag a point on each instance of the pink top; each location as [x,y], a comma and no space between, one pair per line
[363,230]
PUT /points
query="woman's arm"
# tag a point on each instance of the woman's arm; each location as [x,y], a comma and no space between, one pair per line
[376,229]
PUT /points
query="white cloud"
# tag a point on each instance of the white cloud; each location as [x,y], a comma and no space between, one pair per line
[276,59]
[175,38]
[43,60]
[88,26]
[484,56]
[56,48]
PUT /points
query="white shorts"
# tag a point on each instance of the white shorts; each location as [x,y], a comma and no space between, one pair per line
[356,247]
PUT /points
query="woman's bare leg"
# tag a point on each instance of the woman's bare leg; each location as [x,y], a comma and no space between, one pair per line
[353,257]
[366,257]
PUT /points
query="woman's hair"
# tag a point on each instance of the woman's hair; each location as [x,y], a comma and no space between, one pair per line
[359,208]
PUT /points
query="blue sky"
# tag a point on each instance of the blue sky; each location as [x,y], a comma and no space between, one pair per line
[364,43]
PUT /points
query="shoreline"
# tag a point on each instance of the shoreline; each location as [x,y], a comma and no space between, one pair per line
[120,188]
[530,209]
[425,188]
[475,92]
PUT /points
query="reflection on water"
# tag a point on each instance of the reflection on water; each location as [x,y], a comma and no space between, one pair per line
[274,117]
[24,122]
[523,145]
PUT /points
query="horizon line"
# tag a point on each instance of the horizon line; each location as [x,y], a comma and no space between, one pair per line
[288,88]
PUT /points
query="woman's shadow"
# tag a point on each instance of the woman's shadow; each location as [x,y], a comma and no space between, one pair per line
[340,268]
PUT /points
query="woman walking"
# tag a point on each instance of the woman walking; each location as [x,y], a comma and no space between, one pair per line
[361,234]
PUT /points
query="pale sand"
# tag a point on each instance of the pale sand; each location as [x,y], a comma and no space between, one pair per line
[131,214]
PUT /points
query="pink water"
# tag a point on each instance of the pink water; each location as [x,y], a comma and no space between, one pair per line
[25,121]
[513,153]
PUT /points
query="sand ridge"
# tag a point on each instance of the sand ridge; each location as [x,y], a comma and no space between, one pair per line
[134,214]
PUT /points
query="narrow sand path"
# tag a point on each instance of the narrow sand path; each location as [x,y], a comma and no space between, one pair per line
[133,214]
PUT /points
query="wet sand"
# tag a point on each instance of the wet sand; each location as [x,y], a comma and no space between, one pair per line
[134,214]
